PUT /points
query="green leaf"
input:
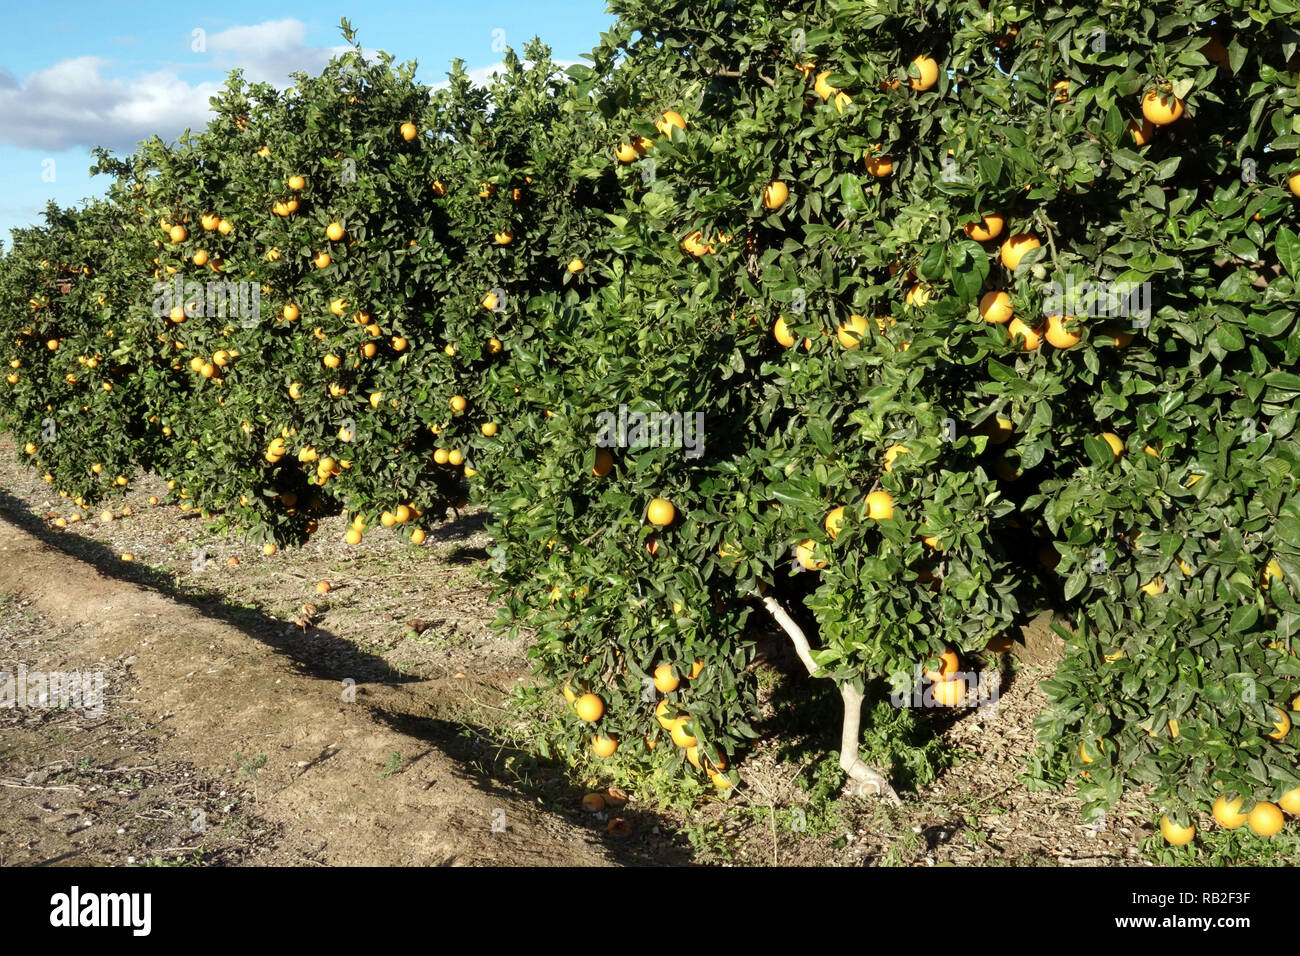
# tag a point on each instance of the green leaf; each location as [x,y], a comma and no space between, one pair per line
[1287,247]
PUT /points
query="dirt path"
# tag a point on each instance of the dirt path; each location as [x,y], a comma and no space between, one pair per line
[345,780]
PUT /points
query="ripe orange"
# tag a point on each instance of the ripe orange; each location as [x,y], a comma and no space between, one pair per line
[408,131]
[1161,107]
[593,802]
[696,667]
[781,332]
[950,693]
[660,512]
[1294,183]
[892,452]
[177,234]
[665,680]
[1015,247]
[1114,441]
[806,554]
[927,73]
[490,301]
[576,265]
[1281,726]
[1265,818]
[1227,813]
[322,587]
[1017,328]
[603,746]
[681,737]
[1155,586]
[268,549]
[850,333]
[995,307]
[880,505]
[775,195]
[296,183]
[417,536]
[352,536]
[625,153]
[604,462]
[458,403]
[1142,132]
[948,665]
[1175,834]
[1059,332]
[879,166]
[989,227]
[834,521]
[1290,802]
[670,119]
[290,312]
[589,707]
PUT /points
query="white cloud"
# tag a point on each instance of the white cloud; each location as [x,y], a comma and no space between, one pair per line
[482,75]
[74,104]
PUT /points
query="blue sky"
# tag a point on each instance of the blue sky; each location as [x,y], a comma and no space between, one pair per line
[78,74]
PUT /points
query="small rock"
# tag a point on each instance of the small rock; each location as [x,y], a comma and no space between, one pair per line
[36,778]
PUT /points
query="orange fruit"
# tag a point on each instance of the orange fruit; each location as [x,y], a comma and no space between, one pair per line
[1018,329]
[1294,183]
[989,227]
[948,665]
[834,521]
[408,131]
[323,587]
[660,512]
[720,781]
[1161,107]
[1015,247]
[927,73]
[604,462]
[268,549]
[681,737]
[352,536]
[696,667]
[625,153]
[177,234]
[775,195]
[880,505]
[603,746]
[1227,813]
[781,332]
[490,301]
[1281,726]
[589,707]
[892,452]
[670,119]
[1175,834]
[290,312]
[576,265]
[1265,818]
[1114,441]
[665,680]
[504,238]
[1290,802]
[822,88]
[806,554]
[417,536]
[1155,586]
[950,693]
[458,403]
[1059,333]
[1141,132]
[850,333]
[995,307]
[593,802]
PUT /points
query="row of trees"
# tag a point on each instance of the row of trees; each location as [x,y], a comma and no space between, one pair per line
[789,312]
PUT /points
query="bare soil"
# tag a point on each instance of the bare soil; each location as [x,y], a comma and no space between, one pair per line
[249,719]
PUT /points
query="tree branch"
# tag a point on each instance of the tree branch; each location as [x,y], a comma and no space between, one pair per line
[863,779]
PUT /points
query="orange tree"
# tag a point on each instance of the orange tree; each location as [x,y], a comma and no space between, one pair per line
[864,253]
